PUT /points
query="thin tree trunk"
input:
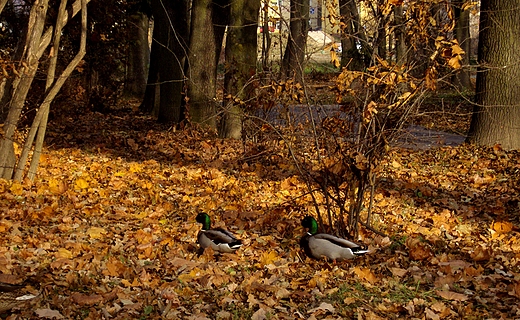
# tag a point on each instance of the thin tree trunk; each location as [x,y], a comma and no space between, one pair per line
[496,117]
[400,33]
[149,104]
[22,84]
[462,35]
[294,56]
[2,5]
[266,35]
[40,121]
[353,37]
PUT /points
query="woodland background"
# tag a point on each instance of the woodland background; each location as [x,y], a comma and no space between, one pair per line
[122,124]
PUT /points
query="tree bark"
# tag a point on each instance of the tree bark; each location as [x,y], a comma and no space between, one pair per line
[202,64]
[496,116]
[400,36]
[2,5]
[54,86]
[294,56]
[171,32]
[22,84]
[241,59]
[353,38]
[266,36]
[138,56]
[35,43]
[149,103]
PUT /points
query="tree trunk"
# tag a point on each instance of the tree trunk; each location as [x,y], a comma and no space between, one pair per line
[294,56]
[170,32]
[2,5]
[462,35]
[53,86]
[380,44]
[138,56]
[353,38]
[241,58]
[22,84]
[35,43]
[266,36]
[400,34]
[496,116]
[202,62]
[149,103]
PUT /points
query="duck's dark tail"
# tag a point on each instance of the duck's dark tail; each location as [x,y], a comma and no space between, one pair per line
[358,251]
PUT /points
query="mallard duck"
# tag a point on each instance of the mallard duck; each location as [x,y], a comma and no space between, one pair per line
[319,245]
[218,239]
[12,295]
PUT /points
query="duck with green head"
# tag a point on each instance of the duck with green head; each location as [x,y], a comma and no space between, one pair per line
[218,239]
[322,245]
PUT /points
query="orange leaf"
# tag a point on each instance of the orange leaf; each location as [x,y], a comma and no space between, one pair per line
[366,274]
[268,258]
[64,253]
[418,249]
[57,187]
[96,232]
[502,227]
[16,189]
[81,184]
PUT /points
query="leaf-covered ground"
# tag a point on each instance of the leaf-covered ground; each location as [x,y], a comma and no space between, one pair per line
[108,229]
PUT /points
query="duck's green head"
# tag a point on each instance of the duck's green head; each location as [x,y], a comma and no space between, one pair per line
[204,219]
[311,224]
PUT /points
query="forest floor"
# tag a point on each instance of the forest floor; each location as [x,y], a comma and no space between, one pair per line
[108,230]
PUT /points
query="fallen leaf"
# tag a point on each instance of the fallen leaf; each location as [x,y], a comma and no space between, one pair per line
[86,300]
[324,306]
[96,232]
[481,254]
[64,253]
[430,314]
[515,289]
[366,274]
[398,272]
[16,189]
[81,184]
[48,313]
[502,227]
[450,295]
[260,314]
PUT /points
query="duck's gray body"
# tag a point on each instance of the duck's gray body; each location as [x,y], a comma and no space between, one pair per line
[218,239]
[323,245]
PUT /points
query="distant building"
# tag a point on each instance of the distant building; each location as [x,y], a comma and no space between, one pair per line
[315,15]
